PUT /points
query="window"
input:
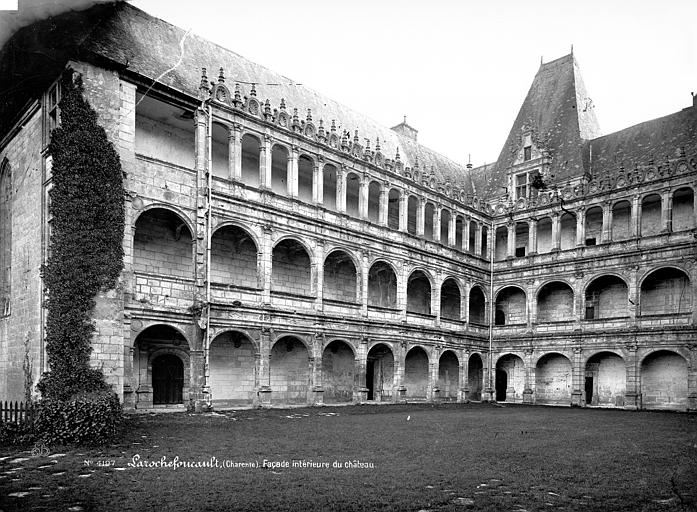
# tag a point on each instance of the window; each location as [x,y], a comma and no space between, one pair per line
[524,184]
[52,99]
[527,153]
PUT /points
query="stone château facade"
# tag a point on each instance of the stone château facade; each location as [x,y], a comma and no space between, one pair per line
[283,249]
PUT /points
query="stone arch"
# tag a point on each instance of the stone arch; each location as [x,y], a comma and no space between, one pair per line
[419,290]
[448,375]
[651,215]
[416,372]
[412,214]
[606,296]
[429,227]
[338,371]
[382,285]
[250,145]
[329,179]
[291,266]
[353,193]
[663,378]
[232,365]
[477,305]
[511,301]
[450,299]
[605,382]
[621,220]
[475,376]
[340,276]
[553,379]
[394,198]
[163,243]
[289,370]
[280,160]
[665,290]
[220,149]
[555,302]
[683,211]
[509,378]
[373,206]
[380,372]
[234,256]
[306,177]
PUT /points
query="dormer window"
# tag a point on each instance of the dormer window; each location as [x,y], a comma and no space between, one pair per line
[523,184]
[527,153]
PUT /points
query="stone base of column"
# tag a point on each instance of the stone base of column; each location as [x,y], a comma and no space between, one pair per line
[488,395]
[317,395]
[401,394]
[264,396]
[436,396]
[528,397]
[360,395]
[692,402]
[577,398]
[462,395]
[632,401]
[143,398]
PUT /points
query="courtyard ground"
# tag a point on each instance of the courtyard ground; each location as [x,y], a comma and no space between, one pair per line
[423,457]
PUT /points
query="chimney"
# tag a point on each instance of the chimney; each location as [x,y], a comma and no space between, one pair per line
[404,129]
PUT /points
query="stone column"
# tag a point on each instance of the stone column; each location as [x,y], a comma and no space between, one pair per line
[235,152]
[478,238]
[341,189]
[292,172]
[436,223]
[384,204]
[463,373]
[556,232]
[488,391]
[452,229]
[318,182]
[360,393]
[402,291]
[319,265]
[510,243]
[433,392]
[316,367]
[692,379]
[581,227]
[632,395]
[666,211]
[399,390]
[265,160]
[435,297]
[264,390]
[636,217]
[365,271]
[606,234]
[578,373]
[528,391]
[532,237]
[466,236]
[634,294]
[265,264]
[420,218]
[403,211]
[363,197]
[464,304]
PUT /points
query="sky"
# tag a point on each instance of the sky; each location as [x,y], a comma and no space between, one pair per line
[458,69]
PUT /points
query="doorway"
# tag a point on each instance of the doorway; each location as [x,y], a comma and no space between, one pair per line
[501,385]
[167,380]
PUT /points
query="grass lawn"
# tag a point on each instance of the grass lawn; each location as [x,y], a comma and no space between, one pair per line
[448,457]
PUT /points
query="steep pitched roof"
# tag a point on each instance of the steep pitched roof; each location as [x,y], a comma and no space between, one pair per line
[134,40]
[558,111]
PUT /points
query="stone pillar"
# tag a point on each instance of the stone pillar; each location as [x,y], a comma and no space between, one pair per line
[632,397]
[606,234]
[365,271]
[635,227]
[265,263]
[235,152]
[384,204]
[531,302]
[360,393]
[488,391]
[341,189]
[403,212]
[578,374]
[420,217]
[402,291]
[463,373]
[452,229]
[532,237]
[292,172]
[318,182]
[319,266]
[510,243]
[556,232]
[363,197]
[265,160]
[666,211]
[435,297]
[528,391]
[399,390]
[692,379]
[466,236]
[464,304]
[478,238]
[635,295]
[316,367]
[433,392]
[436,223]
[581,227]
[264,389]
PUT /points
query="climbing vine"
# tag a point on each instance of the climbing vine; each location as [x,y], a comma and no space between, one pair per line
[86,255]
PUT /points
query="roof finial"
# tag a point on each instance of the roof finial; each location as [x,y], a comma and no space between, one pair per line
[541,61]
[204,80]
[572,49]
[221,77]
[253,92]
[405,119]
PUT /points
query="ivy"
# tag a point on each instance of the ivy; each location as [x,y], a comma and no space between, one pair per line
[86,255]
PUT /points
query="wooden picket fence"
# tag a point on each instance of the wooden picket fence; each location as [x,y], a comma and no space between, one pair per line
[16,412]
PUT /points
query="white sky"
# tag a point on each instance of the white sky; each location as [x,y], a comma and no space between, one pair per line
[460,69]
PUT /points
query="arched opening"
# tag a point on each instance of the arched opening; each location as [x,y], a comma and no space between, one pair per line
[234,258]
[429,212]
[555,303]
[416,373]
[510,378]
[162,244]
[651,215]
[553,380]
[477,306]
[664,381]
[160,367]
[232,361]
[279,169]
[289,371]
[329,186]
[339,278]
[418,293]
[164,132]
[251,161]
[338,372]
[220,150]
[544,235]
[594,225]
[567,224]
[484,252]
[393,200]
[473,237]
[475,377]
[683,211]
[353,192]
[621,221]
[606,380]
[459,232]
[521,239]
[412,214]
[666,291]
[5,237]
[444,226]
[606,297]
[501,243]
[290,268]
[374,201]
[450,300]
[382,286]
[448,375]
[511,302]
[306,176]
[379,374]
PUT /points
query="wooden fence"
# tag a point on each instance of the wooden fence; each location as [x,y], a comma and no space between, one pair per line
[16,412]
